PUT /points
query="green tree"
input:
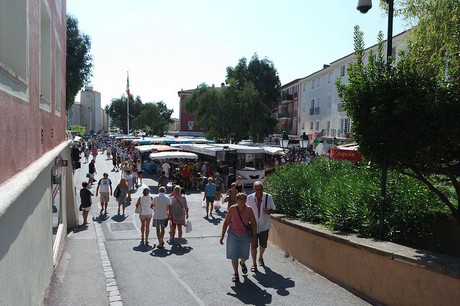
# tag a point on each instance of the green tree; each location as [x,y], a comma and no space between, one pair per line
[117,110]
[154,117]
[77,129]
[78,60]
[243,109]
[404,115]
[258,87]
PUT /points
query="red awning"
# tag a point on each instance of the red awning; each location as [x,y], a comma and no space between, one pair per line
[352,155]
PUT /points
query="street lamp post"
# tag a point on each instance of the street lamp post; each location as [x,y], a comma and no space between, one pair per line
[364,6]
[303,140]
[284,140]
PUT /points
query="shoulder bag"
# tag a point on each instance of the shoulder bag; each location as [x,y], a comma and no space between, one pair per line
[248,226]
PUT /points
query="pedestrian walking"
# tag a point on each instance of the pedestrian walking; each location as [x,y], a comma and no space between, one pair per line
[209,196]
[145,205]
[219,182]
[242,228]
[179,209]
[263,206]
[105,185]
[92,171]
[120,193]
[230,196]
[240,184]
[161,213]
[85,201]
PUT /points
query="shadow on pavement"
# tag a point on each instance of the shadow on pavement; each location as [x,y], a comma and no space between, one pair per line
[100,218]
[119,218]
[80,228]
[213,220]
[249,293]
[175,250]
[144,248]
[271,279]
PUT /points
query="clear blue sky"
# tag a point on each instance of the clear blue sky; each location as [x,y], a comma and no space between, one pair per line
[178,44]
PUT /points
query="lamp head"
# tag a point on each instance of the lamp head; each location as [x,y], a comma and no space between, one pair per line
[364,6]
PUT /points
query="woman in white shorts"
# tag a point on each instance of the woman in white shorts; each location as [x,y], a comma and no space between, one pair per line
[146,210]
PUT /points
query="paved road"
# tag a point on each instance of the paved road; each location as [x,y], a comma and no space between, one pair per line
[198,274]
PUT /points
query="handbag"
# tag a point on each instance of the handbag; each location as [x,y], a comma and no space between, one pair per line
[87,175]
[188,226]
[116,194]
[80,208]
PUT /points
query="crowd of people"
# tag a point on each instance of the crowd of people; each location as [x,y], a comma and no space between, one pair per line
[246,223]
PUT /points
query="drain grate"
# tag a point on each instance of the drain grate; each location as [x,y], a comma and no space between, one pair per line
[121,227]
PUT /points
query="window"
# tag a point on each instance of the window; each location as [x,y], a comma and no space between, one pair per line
[312,83]
[311,125]
[329,77]
[13,55]
[312,105]
[345,125]
[318,83]
[304,87]
[57,79]
[329,101]
[45,58]
[190,125]
[342,70]
[328,125]
[317,125]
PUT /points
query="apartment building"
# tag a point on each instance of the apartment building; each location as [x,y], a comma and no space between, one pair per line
[320,112]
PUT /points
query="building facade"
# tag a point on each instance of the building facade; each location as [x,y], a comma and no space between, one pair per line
[320,112]
[287,115]
[187,124]
[88,112]
[36,188]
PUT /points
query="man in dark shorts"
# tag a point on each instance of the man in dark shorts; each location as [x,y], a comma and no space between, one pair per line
[263,206]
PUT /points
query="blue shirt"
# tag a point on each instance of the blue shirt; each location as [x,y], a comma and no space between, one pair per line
[210,190]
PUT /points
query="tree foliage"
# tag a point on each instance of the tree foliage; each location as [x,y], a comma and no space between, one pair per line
[243,109]
[405,115]
[78,60]
[153,116]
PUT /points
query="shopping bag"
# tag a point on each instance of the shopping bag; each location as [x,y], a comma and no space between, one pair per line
[203,204]
[188,226]
[217,205]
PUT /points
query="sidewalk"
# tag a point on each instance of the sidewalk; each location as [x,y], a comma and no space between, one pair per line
[79,277]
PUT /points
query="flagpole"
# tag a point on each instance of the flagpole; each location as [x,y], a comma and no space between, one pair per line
[127,101]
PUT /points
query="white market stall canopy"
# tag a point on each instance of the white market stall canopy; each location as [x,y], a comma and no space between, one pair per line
[157,148]
[173,155]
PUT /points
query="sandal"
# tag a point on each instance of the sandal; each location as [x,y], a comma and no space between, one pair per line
[244,268]
[254,268]
[261,262]
[236,278]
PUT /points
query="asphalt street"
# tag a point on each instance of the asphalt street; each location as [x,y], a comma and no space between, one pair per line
[104,263]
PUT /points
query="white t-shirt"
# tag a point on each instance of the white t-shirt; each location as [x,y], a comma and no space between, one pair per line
[129,180]
[166,168]
[146,201]
[104,185]
[161,202]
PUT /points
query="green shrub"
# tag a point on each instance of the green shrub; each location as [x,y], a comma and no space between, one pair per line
[346,198]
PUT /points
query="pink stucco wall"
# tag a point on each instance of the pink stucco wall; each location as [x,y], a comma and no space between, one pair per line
[27,132]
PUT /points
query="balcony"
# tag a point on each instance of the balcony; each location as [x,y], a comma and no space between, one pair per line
[343,133]
[340,107]
[285,115]
[285,98]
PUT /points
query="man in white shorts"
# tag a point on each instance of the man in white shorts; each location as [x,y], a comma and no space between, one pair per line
[105,186]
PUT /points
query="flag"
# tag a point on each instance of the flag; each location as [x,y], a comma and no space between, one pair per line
[127,85]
